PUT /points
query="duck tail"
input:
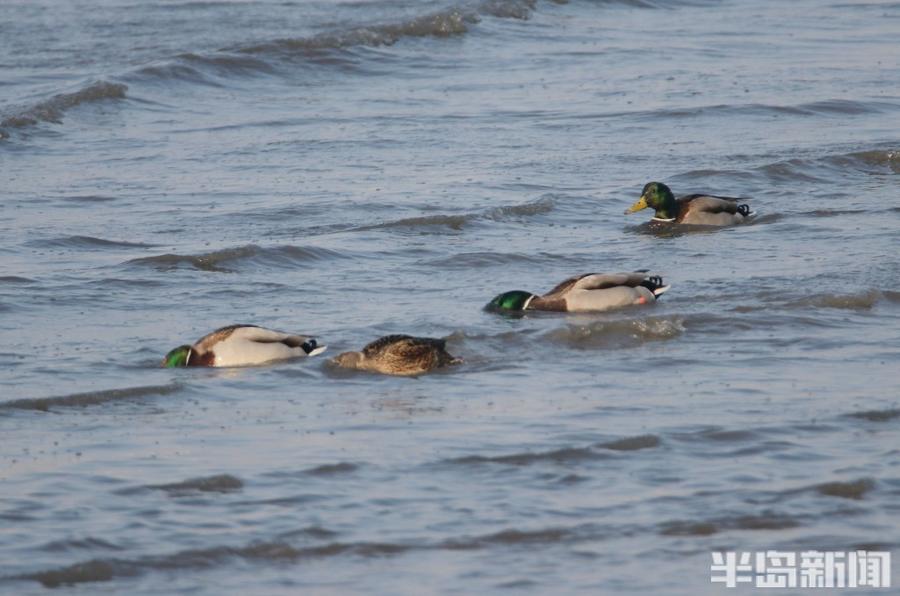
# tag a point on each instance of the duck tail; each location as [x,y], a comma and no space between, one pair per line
[312,347]
[744,209]
[654,283]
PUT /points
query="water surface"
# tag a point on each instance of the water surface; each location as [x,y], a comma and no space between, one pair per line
[353,169]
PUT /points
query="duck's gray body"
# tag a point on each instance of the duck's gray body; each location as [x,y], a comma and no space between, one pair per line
[249,345]
[710,210]
[593,292]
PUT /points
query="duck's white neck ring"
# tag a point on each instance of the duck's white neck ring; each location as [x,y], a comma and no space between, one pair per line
[669,220]
[527,302]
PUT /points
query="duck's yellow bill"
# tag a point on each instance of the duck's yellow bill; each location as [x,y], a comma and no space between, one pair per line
[641,204]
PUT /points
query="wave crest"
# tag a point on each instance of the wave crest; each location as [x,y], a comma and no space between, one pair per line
[52,110]
[454,21]
[217,261]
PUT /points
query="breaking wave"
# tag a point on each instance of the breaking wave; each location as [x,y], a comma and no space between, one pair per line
[52,110]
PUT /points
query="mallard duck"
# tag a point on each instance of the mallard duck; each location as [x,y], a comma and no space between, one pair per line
[591,292]
[696,209]
[399,355]
[242,345]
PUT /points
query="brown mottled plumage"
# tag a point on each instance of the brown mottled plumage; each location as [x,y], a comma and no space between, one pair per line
[399,355]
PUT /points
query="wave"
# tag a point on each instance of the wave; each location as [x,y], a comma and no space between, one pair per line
[515,537]
[819,169]
[76,544]
[564,455]
[52,110]
[456,222]
[617,333]
[85,243]
[863,300]
[876,415]
[840,107]
[332,469]
[325,470]
[846,490]
[559,456]
[221,483]
[876,161]
[281,551]
[469,260]
[545,204]
[714,526]
[15,279]
[632,443]
[89,398]
[446,23]
[217,261]
[89,198]
[262,57]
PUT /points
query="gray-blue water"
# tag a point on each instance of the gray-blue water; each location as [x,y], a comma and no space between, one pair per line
[353,169]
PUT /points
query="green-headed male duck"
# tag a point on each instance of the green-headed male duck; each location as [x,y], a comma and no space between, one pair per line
[402,355]
[242,345]
[695,209]
[591,292]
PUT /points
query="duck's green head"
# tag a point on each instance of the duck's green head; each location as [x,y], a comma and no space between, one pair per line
[515,300]
[658,197]
[180,356]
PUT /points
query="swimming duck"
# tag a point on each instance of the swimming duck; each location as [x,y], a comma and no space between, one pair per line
[696,209]
[242,345]
[591,292]
[399,355]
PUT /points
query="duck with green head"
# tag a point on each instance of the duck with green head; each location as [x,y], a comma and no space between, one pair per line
[694,209]
[401,355]
[590,292]
[242,345]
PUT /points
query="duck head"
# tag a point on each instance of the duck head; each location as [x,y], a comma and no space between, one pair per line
[348,359]
[516,300]
[658,197]
[179,356]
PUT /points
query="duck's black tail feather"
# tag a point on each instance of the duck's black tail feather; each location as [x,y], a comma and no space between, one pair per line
[654,283]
